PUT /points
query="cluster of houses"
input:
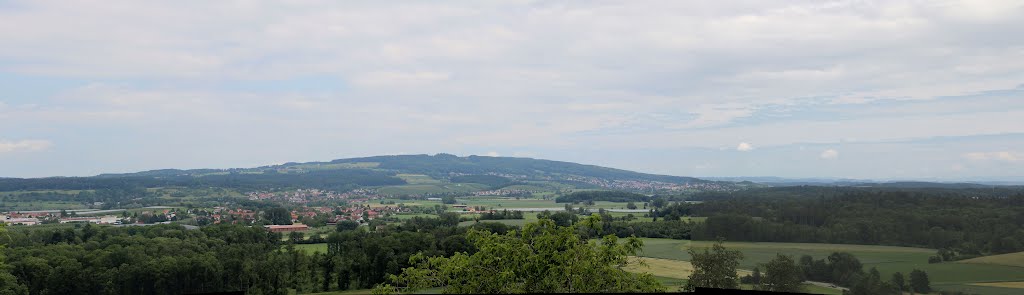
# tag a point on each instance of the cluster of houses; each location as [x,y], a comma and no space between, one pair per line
[365,213]
[358,213]
[303,196]
[228,215]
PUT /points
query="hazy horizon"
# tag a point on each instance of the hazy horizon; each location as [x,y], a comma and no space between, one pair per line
[798,89]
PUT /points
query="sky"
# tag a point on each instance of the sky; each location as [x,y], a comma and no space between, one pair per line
[926,90]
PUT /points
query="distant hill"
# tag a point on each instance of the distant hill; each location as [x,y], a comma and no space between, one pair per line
[445,164]
[375,171]
[781,181]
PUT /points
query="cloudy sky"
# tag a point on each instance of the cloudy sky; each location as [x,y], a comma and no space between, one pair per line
[859,89]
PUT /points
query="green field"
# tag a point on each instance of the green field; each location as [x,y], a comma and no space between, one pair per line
[333,166]
[944,276]
[498,203]
[527,218]
[418,189]
[410,216]
[505,202]
[418,179]
[526,187]
[1010,259]
[41,226]
[39,205]
[312,248]
[67,192]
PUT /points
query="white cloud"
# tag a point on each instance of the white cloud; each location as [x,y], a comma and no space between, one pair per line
[492,154]
[521,75]
[829,154]
[28,145]
[1002,156]
[401,79]
[524,154]
[956,167]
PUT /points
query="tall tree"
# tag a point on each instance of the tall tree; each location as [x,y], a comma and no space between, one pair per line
[8,283]
[715,268]
[542,258]
[278,215]
[844,267]
[659,203]
[898,281]
[781,275]
[919,282]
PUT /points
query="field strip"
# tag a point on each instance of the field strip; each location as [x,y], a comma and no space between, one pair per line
[1015,285]
[676,269]
[813,246]
[1009,259]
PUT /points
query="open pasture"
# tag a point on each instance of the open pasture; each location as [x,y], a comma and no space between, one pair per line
[887,259]
[1009,259]
[418,179]
[39,205]
[312,248]
[418,189]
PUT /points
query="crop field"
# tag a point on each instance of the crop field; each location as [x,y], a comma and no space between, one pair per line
[67,192]
[888,260]
[527,218]
[504,202]
[312,248]
[39,205]
[417,189]
[418,179]
[410,216]
[975,289]
[499,203]
[1016,285]
[668,268]
[526,187]
[671,284]
[1009,259]
[36,227]
[331,166]
[673,274]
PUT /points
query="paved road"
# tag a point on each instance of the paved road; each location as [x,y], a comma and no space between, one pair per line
[826,285]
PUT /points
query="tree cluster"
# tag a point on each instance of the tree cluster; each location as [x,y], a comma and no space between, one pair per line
[963,221]
[542,258]
[609,196]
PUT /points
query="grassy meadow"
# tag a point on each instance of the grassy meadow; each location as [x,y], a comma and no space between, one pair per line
[1010,259]
[430,188]
[952,276]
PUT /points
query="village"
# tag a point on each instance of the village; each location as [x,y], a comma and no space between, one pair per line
[302,209]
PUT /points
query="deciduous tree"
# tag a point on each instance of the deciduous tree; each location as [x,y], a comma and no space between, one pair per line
[919,282]
[542,258]
[715,268]
[781,275]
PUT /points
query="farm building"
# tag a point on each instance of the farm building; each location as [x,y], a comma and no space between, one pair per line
[286,228]
[25,221]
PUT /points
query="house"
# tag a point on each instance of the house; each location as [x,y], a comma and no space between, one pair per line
[25,221]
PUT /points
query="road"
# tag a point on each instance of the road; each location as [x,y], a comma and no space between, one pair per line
[826,285]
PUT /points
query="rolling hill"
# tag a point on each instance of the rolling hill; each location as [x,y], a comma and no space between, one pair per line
[343,174]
